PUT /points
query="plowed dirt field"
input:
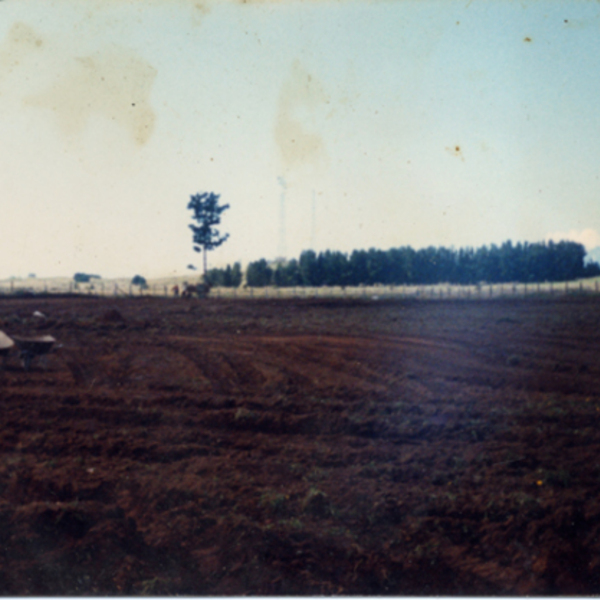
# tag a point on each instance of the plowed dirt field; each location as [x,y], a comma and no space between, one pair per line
[302,447]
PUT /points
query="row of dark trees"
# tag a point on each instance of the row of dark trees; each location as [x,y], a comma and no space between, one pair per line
[521,262]
[228,277]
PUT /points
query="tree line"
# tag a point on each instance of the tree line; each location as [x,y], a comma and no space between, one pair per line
[520,263]
[230,276]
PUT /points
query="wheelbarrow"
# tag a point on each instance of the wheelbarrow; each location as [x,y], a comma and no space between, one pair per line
[6,345]
[30,347]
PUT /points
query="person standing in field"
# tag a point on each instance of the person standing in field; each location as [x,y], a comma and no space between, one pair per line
[176,291]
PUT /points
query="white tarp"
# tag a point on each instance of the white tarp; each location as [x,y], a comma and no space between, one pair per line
[5,341]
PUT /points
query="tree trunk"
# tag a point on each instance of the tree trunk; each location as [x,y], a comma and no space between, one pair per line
[204,258]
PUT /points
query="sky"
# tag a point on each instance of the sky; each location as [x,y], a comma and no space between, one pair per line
[324,124]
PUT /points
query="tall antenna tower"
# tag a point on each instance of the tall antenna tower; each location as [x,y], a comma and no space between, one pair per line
[282,250]
[313,222]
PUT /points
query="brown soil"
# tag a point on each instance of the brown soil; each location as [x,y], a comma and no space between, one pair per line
[302,447]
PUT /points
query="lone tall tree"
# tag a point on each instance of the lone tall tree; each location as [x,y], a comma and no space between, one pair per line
[207,213]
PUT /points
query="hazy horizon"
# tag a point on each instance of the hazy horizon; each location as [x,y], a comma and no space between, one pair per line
[592,255]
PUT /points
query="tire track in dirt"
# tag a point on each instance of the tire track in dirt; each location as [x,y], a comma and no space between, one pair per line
[322,361]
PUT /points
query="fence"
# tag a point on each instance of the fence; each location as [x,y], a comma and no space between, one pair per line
[438,291]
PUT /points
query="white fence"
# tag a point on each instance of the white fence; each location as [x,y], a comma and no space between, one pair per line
[439,291]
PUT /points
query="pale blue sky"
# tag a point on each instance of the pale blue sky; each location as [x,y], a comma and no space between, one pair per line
[410,122]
